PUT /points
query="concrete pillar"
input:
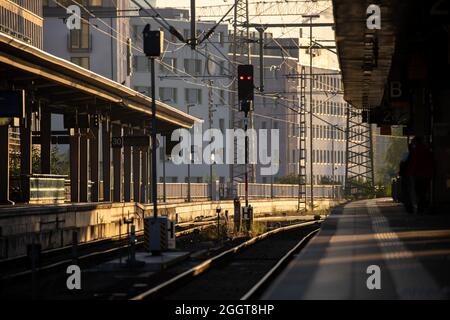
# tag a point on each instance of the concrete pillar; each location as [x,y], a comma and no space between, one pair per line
[126,169]
[46,140]
[84,166]
[26,154]
[4,165]
[93,160]
[144,175]
[136,171]
[75,166]
[117,163]
[106,158]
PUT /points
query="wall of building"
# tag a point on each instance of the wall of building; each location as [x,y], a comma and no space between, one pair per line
[22,19]
[105,51]
[173,82]
[329,125]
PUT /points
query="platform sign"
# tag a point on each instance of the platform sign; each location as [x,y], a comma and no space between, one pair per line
[136,141]
[12,104]
[116,142]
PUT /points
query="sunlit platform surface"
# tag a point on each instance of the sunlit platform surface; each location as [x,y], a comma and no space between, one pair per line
[411,251]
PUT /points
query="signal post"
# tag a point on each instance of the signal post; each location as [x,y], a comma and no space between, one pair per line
[246,97]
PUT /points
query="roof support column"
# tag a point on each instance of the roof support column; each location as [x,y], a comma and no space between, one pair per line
[74,165]
[93,159]
[106,159]
[4,165]
[136,170]
[46,139]
[144,175]
[127,168]
[26,153]
[83,166]
[117,161]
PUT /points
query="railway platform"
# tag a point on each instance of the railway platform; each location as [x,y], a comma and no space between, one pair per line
[371,249]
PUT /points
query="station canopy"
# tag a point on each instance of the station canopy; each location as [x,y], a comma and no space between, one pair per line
[365,55]
[64,87]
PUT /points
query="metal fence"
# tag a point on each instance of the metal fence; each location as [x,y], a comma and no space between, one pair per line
[200,191]
[259,190]
[180,191]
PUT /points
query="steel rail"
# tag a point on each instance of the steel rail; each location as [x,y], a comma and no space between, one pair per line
[262,284]
[97,254]
[205,265]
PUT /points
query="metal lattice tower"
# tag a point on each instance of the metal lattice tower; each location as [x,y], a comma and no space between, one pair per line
[302,145]
[359,173]
[241,55]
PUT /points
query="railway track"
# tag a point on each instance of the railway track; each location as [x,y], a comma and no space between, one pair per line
[241,272]
[87,253]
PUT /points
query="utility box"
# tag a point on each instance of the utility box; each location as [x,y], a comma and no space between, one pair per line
[159,234]
[155,234]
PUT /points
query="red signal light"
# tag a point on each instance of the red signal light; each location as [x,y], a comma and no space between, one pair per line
[241,78]
[249,78]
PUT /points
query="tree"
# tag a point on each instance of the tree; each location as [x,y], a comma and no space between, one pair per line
[289,179]
[390,166]
[59,162]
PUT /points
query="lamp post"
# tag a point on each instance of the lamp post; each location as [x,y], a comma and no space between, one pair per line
[164,170]
[213,157]
[190,160]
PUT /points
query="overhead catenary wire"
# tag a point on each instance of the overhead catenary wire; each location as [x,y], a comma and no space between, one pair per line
[170,68]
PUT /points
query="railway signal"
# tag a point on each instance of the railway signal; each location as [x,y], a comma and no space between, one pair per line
[246,87]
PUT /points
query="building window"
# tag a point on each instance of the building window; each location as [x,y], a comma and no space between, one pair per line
[168,94]
[193,96]
[221,38]
[222,125]
[141,64]
[143,90]
[193,66]
[222,67]
[222,97]
[81,61]
[186,34]
[80,39]
[168,65]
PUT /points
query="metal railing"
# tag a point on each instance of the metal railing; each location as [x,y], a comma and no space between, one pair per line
[259,190]
[200,191]
[180,191]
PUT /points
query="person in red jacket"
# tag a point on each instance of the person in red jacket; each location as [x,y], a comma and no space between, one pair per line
[420,169]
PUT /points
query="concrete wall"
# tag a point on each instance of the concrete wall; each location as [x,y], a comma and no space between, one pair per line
[52,225]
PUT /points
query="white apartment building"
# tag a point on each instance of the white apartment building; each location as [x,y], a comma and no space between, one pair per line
[196,82]
[101,43]
[328,127]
